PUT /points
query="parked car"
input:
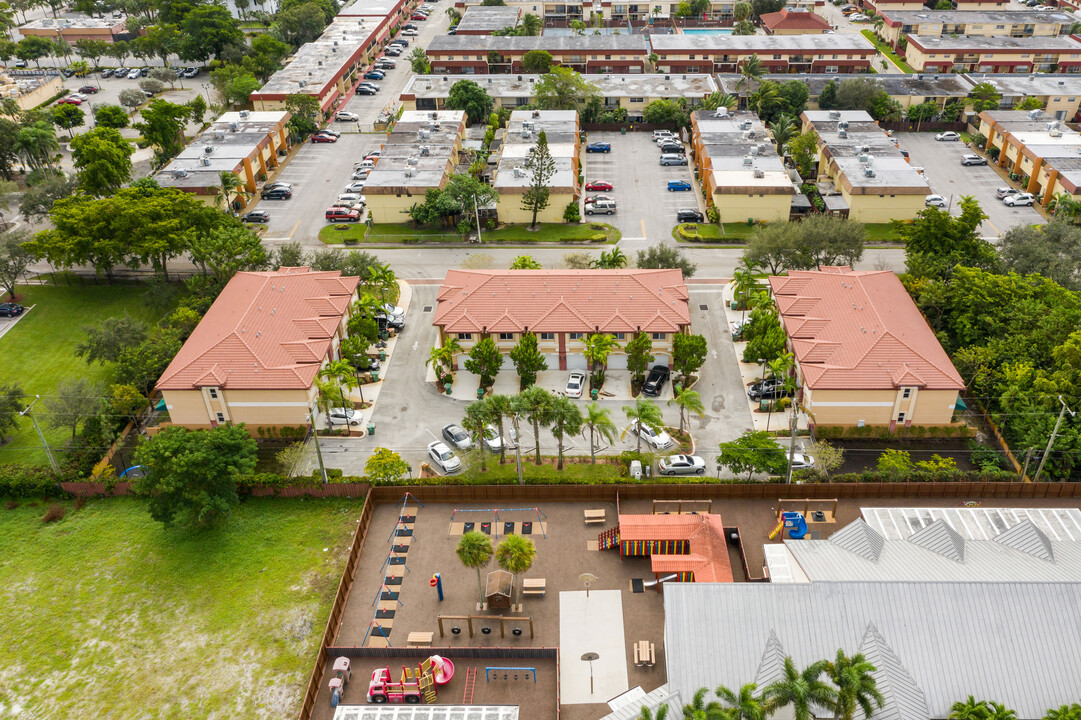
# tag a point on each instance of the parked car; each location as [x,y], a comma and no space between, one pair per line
[768,389]
[407,26]
[672,148]
[10,309]
[681,465]
[457,437]
[1004,191]
[361,174]
[344,116]
[802,461]
[658,439]
[71,100]
[323,137]
[1020,199]
[400,42]
[688,215]
[278,184]
[393,50]
[658,376]
[277,193]
[393,309]
[341,416]
[658,134]
[410,32]
[598,185]
[349,197]
[935,201]
[973,159]
[575,383]
[88,90]
[340,214]
[948,136]
[366,363]
[858,17]
[134,73]
[374,75]
[107,73]
[602,207]
[599,198]
[679,186]
[493,441]
[599,147]
[385,64]
[418,16]
[443,458]
[256,216]
[673,159]
[394,322]
[374,154]
[365,90]
[355,187]
[191,72]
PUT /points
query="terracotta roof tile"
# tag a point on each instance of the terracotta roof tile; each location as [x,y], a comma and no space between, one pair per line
[788,19]
[266,330]
[859,330]
[708,556]
[562,301]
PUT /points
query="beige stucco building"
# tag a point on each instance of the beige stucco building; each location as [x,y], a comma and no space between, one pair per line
[864,353]
[512,177]
[995,54]
[1044,152]
[255,356]
[899,24]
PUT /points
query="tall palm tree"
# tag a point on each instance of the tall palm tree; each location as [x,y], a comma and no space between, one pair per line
[530,24]
[326,397]
[535,403]
[799,689]
[600,424]
[784,129]
[699,709]
[229,183]
[765,97]
[475,551]
[342,374]
[970,709]
[37,144]
[598,347]
[439,357]
[566,420]
[742,11]
[475,421]
[382,278]
[742,705]
[855,686]
[499,407]
[750,72]
[644,413]
[454,15]
[688,401]
[367,305]
[516,554]
[653,58]
[743,281]
[719,100]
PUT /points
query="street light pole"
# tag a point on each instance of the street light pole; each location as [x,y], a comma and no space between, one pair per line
[48,451]
[318,450]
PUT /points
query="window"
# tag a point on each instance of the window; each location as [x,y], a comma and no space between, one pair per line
[690,57]
[659,336]
[506,336]
[900,417]
[221,418]
[465,336]
[576,336]
[831,68]
[907,393]
[607,57]
[642,100]
[547,336]
[213,393]
[426,104]
[619,336]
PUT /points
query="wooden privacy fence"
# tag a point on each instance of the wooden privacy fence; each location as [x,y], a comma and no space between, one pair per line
[464,653]
[351,490]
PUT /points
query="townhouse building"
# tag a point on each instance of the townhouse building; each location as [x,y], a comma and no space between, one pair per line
[995,54]
[488,54]
[834,54]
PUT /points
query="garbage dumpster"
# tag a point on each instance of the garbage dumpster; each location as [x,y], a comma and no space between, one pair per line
[375,376]
[371,429]
[763,405]
[593,393]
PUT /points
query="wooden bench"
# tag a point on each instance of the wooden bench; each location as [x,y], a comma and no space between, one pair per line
[533,587]
[645,654]
[594,516]
[420,638]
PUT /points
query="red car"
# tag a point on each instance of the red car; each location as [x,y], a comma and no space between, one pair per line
[322,138]
[598,185]
[341,214]
[70,100]
[88,89]
[418,16]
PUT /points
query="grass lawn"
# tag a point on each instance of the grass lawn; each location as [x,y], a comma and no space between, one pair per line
[880,232]
[39,351]
[572,472]
[108,615]
[886,50]
[736,233]
[405,233]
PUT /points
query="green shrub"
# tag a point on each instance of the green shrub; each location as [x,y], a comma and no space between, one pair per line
[882,432]
[23,481]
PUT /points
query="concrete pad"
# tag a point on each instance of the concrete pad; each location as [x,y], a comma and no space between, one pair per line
[591,624]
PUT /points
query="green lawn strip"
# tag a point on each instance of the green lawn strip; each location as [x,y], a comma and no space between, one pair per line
[886,50]
[731,233]
[39,351]
[511,234]
[880,232]
[582,473]
[106,613]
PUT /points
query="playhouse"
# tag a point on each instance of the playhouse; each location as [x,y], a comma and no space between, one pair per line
[683,548]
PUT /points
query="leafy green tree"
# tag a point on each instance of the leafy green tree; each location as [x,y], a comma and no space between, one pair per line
[828,240]
[471,98]
[33,48]
[1052,250]
[894,462]
[613,259]
[639,351]
[803,149]
[764,335]
[644,413]
[106,341]
[566,420]
[11,404]
[688,354]
[74,399]
[222,252]
[924,112]
[418,61]
[856,686]
[936,242]
[111,116]
[515,554]
[92,50]
[598,346]
[475,422]
[191,475]
[665,257]
[207,31]
[600,425]
[14,259]
[803,690]
[102,158]
[541,166]
[827,98]
[475,551]
[304,109]
[688,401]
[984,96]
[562,88]
[300,25]
[698,708]
[783,129]
[68,117]
[144,363]
[131,99]
[753,451]
[484,360]
[385,466]
[535,403]
[527,359]
[667,112]
[36,143]
[1064,712]
[525,262]
[163,127]
[537,61]
[233,84]
[856,93]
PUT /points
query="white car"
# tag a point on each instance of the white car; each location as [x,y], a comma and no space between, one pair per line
[659,439]
[392,309]
[494,441]
[409,32]
[658,134]
[948,136]
[443,457]
[361,174]
[575,383]
[349,197]
[344,116]
[1020,199]
[355,188]
[133,74]
[935,201]
[857,17]
[341,416]
[681,465]
[801,461]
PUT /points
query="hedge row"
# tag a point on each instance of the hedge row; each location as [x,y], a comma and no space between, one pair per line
[23,481]
[916,476]
[882,432]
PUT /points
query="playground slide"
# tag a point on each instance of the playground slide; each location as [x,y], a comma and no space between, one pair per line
[442,669]
[776,530]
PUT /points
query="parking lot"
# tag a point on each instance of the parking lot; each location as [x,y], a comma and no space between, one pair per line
[646,210]
[942,163]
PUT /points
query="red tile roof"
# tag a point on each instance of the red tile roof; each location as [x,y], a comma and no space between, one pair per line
[708,557]
[562,301]
[266,331]
[859,331]
[790,19]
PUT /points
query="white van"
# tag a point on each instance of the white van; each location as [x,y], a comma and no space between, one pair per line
[601,207]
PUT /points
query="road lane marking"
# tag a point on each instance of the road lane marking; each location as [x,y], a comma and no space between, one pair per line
[293,231]
[643,228]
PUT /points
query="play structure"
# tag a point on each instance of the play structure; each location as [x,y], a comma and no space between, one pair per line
[795,515]
[498,589]
[516,623]
[794,523]
[492,673]
[412,686]
[394,569]
[688,547]
[492,527]
[337,684]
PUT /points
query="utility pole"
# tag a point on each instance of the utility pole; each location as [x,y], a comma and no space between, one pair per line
[48,451]
[318,450]
[476,212]
[792,444]
[517,447]
[1051,440]
[1028,457]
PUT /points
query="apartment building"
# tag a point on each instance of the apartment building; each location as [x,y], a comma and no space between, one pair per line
[73,29]
[512,177]
[250,144]
[835,54]
[1041,150]
[795,21]
[563,307]
[885,6]
[744,178]
[1060,93]
[483,20]
[865,167]
[994,54]
[631,92]
[972,23]
[484,54]
[564,11]
[421,152]
[907,89]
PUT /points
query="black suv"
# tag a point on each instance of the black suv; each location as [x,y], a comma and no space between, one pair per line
[277,193]
[689,216]
[10,309]
[769,389]
[655,381]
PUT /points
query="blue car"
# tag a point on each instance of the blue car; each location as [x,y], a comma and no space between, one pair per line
[678,185]
[373,75]
[599,147]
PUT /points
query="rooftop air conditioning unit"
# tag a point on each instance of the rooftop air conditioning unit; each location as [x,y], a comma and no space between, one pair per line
[1034,114]
[528,124]
[751,134]
[424,133]
[180,173]
[759,174]
[862,158]
[219,136]
[745,125]
[868,172]
[518,171]
[865,149]
[843,125]
[754,151]
[835,115]
[206,160]
[536,114]
[842,134]
[433,115]
[208,149]
[245,113]
[234,126]
[433,126]
[1055,133]
[527,133]
[720,112]
[410,172]
[412,160]
[1053,125]
[748,160]
[425,151]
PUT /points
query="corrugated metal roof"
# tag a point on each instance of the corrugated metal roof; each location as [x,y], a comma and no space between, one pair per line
[974,523]
[771,666]
[857,537]
[940,538]
[629,705]
[1014,642]
[902,697]
[1028,538]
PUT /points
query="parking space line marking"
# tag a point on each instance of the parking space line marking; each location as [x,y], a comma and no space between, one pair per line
[643,228]
[293,231]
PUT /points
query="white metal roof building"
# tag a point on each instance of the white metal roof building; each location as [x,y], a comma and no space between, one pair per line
[974,523]
[932,643]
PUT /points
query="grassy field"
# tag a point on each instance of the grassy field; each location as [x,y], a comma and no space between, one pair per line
[736,233]
[108,615]
[886,50]
[39,351]
[406,233]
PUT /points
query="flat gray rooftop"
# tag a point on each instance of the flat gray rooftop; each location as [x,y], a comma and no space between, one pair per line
[488,19]
[995,42]
[76,22]
[220,148]
[318,63]
[922,84]
[760,43]
[584,43]
[371,8]
[645,85]
[968,17]
[1032,84]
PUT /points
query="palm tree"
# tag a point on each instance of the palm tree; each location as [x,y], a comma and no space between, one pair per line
[720,100]
[341,373]
[742,11]
[644,413]
[647,714]
[742,705]
[499,407]
[971,709]
[998,711]
[566,419]
[751,71]
[744,27]
[325,398]
[781,368]
[598,347]
[536,404]
[688,401]
[382,278]
[801,690]
[612,259]
[784,129]
[515,554]
[454,15]
[600,424]
[743,281]
[855,686]
[37,144]
[653,58]
[699,709]
[475,551]
[439,357]
[229,184]
[1065,712]
[475,421]
[530,24]
[766,97]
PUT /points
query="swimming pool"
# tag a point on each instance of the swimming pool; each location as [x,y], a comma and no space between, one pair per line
[707,31]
